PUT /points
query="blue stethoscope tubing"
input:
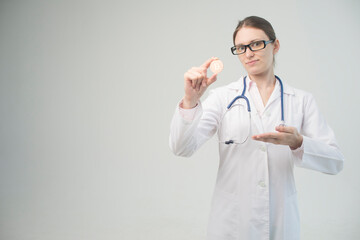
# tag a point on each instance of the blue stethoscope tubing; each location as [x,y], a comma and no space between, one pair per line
[248,103]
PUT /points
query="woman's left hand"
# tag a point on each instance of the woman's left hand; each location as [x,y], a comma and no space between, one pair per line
[284,136]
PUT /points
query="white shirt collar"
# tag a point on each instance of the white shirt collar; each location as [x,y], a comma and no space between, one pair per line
[238,85]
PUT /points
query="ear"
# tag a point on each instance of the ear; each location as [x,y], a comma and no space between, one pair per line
[276,46]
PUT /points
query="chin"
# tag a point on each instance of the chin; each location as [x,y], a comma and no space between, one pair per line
[257,70]
[254,71]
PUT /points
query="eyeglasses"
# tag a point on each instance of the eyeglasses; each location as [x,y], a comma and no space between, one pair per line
[254,46]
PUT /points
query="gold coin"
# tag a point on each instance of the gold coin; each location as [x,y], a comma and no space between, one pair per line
[216,66]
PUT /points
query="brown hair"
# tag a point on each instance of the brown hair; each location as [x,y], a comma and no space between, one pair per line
[256,22]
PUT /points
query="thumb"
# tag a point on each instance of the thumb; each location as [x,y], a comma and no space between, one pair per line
[280,128]
[212,79]
[284,129]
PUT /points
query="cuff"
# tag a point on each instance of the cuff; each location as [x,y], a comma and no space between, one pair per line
[188,114]
[299,152]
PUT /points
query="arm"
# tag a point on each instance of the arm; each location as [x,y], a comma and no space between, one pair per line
[320,150]
[188,133]
[315,146]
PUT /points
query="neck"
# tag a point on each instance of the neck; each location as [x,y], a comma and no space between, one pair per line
[264,80]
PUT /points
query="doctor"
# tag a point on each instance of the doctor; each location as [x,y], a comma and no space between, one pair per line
[255,196]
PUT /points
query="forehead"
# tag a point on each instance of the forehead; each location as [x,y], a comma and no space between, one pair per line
[246,35]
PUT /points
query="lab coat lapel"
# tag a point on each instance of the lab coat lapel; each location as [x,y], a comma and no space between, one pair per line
[255,115]
[274,96]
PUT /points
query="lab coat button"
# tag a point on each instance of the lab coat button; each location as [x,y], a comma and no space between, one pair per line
[262,184]
[263,148]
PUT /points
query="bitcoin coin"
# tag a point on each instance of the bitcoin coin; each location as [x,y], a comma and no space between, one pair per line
[216,66]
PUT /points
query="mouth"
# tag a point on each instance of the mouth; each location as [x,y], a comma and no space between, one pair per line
[252,62]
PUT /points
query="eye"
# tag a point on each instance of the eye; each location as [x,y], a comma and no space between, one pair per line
[240,48]
[255,44]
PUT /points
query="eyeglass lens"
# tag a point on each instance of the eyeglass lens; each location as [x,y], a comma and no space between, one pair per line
[253,47]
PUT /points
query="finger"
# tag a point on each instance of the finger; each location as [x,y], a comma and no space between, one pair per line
[192,78]
[194,73]
[198,84]
[200,76]
[275,139]
[188,76]
[265,139]
[212,79]
[197,69]
[285,129]
[267,135]
[207,63]
[199,79]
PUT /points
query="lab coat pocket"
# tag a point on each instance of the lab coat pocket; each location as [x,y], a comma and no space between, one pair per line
[235,125]
[224,216]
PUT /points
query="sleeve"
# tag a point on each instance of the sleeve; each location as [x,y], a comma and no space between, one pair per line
[319,150]
[189,129]
[188,114]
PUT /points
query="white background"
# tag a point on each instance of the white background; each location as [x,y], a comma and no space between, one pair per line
[87,93]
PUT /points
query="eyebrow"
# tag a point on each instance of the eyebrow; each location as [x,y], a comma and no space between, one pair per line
[255,40]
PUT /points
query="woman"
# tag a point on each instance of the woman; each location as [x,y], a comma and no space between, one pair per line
[255,195]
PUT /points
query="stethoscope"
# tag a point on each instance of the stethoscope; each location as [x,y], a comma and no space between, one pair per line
[242,96]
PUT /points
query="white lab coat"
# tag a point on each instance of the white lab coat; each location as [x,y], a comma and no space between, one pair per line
[255,196]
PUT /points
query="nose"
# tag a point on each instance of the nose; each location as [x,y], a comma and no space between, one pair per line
[248,52]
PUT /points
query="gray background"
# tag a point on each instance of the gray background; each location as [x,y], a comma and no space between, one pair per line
[87,92]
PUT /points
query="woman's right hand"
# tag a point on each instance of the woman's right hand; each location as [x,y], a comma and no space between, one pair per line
[196,83]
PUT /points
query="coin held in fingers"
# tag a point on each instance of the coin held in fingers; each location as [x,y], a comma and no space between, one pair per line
[216,66]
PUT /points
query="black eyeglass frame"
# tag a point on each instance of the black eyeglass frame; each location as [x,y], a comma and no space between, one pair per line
[233,49]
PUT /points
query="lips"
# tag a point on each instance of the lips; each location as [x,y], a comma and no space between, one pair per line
[252,62]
